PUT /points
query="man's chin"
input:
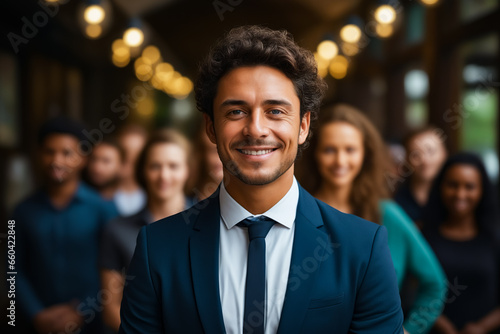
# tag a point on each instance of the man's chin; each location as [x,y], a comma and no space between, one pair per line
[257,175]
[259,179]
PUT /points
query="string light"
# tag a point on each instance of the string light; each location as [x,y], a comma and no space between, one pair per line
[151,53]
[133,37]
[429,2]
[385,14]
[327,49]
[338,67]
[94,14]
[350,33]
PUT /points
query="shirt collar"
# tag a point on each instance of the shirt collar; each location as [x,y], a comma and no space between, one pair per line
[282,212]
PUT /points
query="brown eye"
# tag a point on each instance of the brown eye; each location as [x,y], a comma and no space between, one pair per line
[236,112]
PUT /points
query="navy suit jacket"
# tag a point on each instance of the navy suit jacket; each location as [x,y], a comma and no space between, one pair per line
[341,279]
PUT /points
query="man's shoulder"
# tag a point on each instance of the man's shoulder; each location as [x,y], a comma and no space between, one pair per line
[353,236]
[29,204]
[181,223]
[344,224]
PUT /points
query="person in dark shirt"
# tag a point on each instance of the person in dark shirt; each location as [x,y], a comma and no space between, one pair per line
[162,170]
[57,233]
[425,154]
[461,224]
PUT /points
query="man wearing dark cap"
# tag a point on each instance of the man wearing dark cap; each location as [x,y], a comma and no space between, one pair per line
[57,233]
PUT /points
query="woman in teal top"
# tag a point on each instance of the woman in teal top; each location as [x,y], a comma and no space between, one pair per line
[348,157]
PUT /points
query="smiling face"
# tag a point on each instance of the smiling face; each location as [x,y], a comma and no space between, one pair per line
[165,171]
[60,158]
[461,190]
[257,125]
[340,153]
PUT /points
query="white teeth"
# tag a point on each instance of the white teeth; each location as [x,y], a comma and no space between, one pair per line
[260,152]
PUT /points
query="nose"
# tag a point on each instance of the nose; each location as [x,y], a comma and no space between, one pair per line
[461,193]
[341,158]
[164,172]
[256,125]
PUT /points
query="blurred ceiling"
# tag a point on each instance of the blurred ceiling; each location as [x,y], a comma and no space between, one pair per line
[187,28]
[137,8]
[182,29]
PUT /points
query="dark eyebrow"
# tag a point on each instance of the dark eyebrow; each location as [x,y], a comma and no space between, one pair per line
[266,102]
[233,103]
[277,103]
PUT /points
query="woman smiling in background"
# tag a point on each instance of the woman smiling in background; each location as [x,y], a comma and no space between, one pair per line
[162,170]
[461,224]
[347,154]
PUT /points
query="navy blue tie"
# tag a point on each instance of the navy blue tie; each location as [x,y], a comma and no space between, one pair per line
[253,319]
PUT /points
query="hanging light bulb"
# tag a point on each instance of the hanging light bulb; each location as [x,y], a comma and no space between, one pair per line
[327,49]
[385,14]
[94,17]
[134,36]
[429,2]
[94,13]
[351,32]
[151,53]
[338,67]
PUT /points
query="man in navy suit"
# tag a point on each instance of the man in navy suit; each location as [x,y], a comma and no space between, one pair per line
[261,255]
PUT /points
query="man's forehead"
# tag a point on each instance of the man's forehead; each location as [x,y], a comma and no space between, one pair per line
[256,84]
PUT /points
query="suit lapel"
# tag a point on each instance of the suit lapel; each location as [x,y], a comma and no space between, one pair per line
[308,246]
[204,256]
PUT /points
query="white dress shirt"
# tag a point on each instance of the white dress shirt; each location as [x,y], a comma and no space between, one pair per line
[233,252]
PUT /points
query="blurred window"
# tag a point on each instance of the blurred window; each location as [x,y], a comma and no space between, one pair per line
[414,23]
[473,9]
[416,88]
[480,91]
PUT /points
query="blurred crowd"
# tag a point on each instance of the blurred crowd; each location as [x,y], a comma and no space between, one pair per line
[76,235]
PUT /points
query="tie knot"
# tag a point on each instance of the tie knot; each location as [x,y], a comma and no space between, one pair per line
[258,227]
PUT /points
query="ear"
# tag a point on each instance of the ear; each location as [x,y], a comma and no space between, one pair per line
[305,122]
[209,128]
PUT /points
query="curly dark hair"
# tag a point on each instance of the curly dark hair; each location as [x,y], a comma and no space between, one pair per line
[253,46]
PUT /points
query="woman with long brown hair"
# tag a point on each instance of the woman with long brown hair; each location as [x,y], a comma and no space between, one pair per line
[347,164]
[162,170]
